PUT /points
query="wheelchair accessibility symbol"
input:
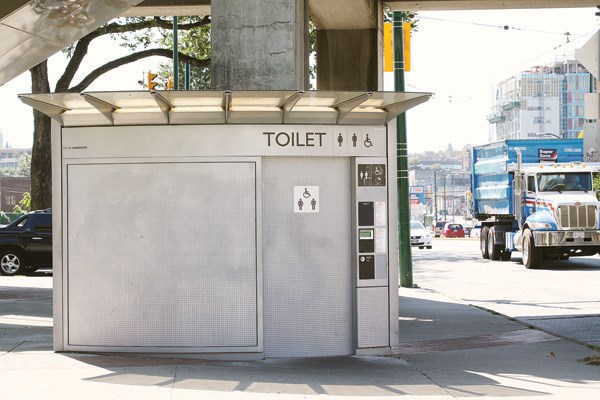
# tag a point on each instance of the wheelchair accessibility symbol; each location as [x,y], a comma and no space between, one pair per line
[306,199]
[368,142]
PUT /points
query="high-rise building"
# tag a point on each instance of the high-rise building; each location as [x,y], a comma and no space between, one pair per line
[545,101]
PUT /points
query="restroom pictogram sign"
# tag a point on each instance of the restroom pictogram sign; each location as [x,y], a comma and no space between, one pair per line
[306,199]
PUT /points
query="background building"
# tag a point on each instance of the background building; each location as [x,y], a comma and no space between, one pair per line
[444,179]
[12,189]
[546,100]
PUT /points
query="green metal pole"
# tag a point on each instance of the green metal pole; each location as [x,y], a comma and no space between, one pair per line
[175,56]
[405,255]
[187,76]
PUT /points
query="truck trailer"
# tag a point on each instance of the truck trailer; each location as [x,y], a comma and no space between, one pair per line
[534,196]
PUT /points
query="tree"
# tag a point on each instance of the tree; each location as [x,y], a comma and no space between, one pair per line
[24,167]
[138,35]
[24,205]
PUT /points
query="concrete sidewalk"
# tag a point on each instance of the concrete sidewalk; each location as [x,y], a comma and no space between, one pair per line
[449,350]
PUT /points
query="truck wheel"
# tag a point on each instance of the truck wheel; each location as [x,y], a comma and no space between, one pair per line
[494,250]
[11,263]
[506,255]
[483,242]
[532,256]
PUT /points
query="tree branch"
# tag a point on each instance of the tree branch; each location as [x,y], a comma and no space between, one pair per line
[79,53]
[95,74]
[156,22]
[82,46]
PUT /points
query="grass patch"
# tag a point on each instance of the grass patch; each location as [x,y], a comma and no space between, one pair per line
[594,359]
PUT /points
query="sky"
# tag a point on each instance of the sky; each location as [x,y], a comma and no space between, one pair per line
[461,55]
[457,55]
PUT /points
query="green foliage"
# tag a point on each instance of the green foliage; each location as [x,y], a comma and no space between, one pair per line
[312,53]
[139,34]
[596,184]
[135,40]
[405,15]
[195,43]
[24,205]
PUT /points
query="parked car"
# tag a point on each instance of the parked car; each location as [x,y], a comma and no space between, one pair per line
[475,232]
[438,228]
[26,243]
[419,236]
[452,230]
[467,230]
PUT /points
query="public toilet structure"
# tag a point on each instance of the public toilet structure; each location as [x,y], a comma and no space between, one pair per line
[240,225]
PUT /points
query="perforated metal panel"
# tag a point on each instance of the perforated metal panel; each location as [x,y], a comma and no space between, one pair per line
[307,259]
[162,254]
[373,328]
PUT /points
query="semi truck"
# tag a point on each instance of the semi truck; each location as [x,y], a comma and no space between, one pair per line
[534,196]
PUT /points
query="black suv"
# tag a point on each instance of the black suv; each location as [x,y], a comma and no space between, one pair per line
[26,243]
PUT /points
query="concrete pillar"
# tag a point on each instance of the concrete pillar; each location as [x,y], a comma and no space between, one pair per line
[259,45]
[350,46]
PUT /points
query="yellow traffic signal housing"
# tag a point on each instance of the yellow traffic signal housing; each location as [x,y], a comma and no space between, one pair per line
[151,83]
[406,38]
[388,50]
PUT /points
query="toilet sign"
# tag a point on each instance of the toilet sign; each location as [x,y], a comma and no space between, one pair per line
[306,199]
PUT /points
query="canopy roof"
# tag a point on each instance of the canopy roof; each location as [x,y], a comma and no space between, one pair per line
[223,107]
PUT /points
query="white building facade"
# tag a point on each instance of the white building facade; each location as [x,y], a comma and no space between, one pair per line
[542,102]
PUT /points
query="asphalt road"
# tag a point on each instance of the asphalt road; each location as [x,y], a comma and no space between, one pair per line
[562,299]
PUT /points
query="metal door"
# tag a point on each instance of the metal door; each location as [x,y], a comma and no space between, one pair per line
[307,259]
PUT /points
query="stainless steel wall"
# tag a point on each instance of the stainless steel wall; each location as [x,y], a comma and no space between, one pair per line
[307,264]
[146,272]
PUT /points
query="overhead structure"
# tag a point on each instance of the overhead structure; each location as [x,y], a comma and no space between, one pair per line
[34,30]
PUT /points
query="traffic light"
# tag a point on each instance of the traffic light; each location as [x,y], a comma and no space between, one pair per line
[388,49]
[151,83]
[406,39]
[170,83]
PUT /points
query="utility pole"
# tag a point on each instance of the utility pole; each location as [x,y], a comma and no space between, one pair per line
[445,201]
[435,207]
[175,55]
[404,249]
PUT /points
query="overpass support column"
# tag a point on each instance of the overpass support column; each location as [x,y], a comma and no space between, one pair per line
[259,45]
[349,47]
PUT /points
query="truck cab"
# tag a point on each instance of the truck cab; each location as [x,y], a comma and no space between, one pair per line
[559,216]
[548,187]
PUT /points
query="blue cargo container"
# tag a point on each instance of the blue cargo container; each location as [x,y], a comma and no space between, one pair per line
[493,164]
